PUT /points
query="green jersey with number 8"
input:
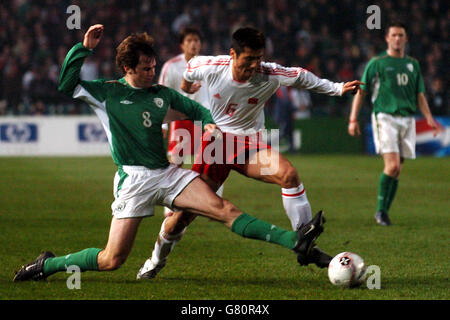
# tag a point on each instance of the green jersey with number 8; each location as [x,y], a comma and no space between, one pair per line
[394,84]
[131,117]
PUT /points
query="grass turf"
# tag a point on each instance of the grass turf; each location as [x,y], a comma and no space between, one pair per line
[63,205]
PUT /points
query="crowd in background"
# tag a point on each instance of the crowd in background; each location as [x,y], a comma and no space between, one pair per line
[329,38]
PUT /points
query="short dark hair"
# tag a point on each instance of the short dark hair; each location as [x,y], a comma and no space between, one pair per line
[130,49]
[397,24]
[187,31]
[247,37]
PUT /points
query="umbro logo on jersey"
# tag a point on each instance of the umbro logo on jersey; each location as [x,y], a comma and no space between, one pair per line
[252,101]
[126,102]
[217,96]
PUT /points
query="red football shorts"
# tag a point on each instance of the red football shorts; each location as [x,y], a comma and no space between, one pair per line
[179,131]
[233,152]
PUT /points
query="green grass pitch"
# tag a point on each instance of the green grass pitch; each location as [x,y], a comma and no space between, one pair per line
[63,205]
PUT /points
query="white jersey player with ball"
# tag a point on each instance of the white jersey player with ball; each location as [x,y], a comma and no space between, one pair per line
[239,85]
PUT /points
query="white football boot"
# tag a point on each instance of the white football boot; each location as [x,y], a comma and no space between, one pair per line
[149,269]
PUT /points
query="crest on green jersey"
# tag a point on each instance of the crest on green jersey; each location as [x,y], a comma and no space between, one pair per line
[410,67]
[159,102]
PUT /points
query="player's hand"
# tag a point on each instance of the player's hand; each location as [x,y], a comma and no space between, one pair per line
[352,86]
[436,127]
[193,88]
[353,128]
[92,36]
[214,130]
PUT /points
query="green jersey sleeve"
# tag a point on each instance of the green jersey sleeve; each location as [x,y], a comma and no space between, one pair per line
[69,79]
[368,75]
[194,110]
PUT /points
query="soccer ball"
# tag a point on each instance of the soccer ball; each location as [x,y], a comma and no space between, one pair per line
[347,269]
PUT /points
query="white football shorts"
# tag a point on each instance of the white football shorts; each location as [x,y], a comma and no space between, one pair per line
[394,134]
[138,189]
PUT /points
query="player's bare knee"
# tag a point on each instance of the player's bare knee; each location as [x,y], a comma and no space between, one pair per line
[230,211]
[393,170]
[224,210]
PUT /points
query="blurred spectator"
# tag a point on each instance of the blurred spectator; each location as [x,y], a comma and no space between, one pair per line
[329,38]
[12,87]
[301,100]
[41,88]
[438,98]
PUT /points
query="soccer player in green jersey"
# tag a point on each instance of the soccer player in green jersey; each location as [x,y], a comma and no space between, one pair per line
[396,86]
[132,110]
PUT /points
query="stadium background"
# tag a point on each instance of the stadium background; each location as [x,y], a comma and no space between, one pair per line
[329,38]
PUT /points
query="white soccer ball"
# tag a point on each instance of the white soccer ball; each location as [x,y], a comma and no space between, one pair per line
[347,269]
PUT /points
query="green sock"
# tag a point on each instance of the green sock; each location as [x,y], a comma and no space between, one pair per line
[85,260]
[250,227]
[383,192]
[392,190]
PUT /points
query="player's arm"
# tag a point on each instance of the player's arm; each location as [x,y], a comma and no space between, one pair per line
[368,75]
[69,78]
[422,103]
[308,80]
[425,110]
[195,72]
[353,125]
[194,110]
[190,87]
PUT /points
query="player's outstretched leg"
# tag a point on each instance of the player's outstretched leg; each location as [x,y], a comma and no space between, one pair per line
[120,242]
[33,270]
[47,264]
[201,200]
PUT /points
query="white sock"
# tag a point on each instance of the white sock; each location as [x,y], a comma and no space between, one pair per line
[296,205]
[219,191]
[164,245]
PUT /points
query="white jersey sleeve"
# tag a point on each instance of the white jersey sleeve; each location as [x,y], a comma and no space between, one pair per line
[199,67]
[301,78]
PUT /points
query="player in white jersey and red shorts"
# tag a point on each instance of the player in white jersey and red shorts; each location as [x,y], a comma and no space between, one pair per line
[171,76]
[239,85]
